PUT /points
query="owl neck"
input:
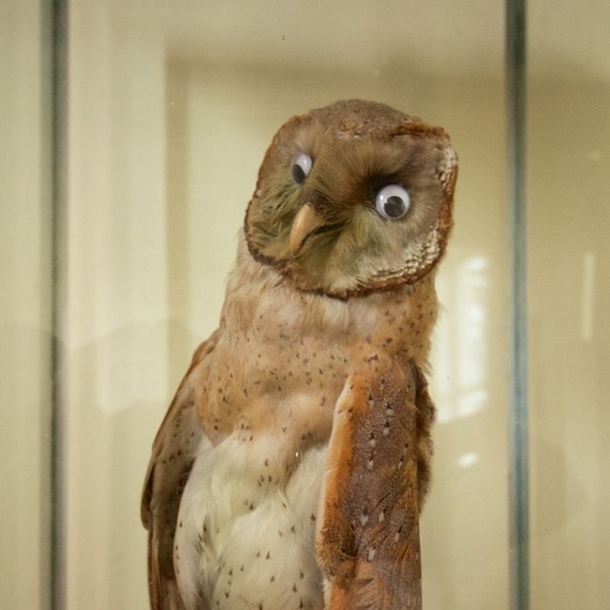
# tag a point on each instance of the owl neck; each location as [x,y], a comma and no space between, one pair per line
[262,305]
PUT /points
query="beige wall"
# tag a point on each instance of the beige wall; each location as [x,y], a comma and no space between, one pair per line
[25,272]
[569,256]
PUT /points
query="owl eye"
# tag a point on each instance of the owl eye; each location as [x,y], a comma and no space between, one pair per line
[301,166]
[393,201]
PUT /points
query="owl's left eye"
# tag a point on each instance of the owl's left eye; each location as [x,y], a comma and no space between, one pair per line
[393,201]
[301,166]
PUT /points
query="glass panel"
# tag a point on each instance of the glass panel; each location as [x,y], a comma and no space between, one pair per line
[171,107]
[569,288]
[25,310]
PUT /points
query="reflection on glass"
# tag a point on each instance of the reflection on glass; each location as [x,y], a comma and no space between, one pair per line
[461,367]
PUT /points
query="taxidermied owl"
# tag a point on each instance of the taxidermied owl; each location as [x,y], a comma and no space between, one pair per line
[291,466]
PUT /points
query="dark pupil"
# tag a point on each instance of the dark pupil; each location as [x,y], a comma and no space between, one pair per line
[394,206]
[298,175]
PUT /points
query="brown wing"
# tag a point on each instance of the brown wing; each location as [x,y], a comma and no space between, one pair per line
[377,473]
[168,470]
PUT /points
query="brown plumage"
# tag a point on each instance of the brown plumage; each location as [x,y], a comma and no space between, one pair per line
[291,466]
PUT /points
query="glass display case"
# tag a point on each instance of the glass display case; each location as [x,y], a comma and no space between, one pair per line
[132,133]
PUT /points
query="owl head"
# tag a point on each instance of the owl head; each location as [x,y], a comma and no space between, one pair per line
[353,198]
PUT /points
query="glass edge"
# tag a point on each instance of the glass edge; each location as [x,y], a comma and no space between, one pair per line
[518,418]
[55,50]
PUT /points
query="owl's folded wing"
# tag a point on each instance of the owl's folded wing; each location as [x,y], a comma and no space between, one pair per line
[171,461]
[376,475]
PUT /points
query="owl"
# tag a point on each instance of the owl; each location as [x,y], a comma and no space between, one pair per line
[291,466]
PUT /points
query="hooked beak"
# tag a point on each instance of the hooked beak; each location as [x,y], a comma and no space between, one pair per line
[305,223]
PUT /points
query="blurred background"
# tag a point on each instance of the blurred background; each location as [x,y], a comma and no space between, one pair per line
[125,172]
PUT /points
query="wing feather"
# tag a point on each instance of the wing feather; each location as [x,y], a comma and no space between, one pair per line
[172,458]
[368,534]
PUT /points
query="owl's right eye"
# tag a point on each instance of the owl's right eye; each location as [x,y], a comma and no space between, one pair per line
[393,201]
[301,166]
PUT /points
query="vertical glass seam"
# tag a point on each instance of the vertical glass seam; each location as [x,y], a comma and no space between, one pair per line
[518,411]
[59,11]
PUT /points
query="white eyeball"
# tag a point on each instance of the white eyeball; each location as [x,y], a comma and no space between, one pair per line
[393,201]
[301,166]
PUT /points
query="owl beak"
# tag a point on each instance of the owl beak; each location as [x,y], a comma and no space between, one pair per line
[306,222]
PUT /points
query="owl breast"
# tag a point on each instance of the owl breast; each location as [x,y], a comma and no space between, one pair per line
[253,533]
[247,519]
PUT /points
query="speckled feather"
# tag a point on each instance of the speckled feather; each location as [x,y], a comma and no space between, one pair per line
[263,490]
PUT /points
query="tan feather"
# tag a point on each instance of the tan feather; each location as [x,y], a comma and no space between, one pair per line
[174,450]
